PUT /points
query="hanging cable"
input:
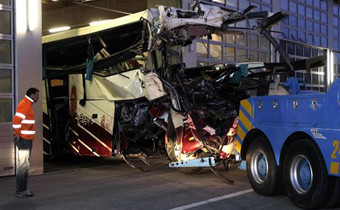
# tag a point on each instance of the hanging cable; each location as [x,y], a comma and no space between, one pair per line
[101,8]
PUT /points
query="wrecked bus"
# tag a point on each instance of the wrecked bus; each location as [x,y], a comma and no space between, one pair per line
[98,88]
[122,90]
[104,85]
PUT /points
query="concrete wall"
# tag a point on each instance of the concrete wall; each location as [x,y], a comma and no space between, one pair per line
[28,67]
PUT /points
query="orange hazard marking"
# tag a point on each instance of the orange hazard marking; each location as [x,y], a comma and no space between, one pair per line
[334,168]
[238,146]
[241,133]
[244,120]
[247,106]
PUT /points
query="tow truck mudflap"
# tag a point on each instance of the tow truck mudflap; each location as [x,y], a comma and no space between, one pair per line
[200,162]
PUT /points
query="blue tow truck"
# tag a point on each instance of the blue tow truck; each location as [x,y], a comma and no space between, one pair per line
[291,143]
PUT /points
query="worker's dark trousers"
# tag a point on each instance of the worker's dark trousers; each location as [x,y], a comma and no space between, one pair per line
[23,152]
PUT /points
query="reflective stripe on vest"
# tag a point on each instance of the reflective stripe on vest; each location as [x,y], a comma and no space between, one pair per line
[27,132]
[17,126]
[28,122]
[20,115]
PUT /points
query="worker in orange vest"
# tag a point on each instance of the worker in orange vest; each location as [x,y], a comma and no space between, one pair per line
[24,131]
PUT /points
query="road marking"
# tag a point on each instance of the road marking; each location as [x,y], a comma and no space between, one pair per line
[200,203]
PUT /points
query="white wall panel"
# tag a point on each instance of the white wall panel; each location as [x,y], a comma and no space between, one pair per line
[28,69]
[7,151]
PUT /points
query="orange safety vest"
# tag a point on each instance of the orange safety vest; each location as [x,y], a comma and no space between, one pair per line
[24,119]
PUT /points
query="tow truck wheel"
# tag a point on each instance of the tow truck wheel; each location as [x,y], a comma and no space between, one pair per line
[261,167]
[305,174]
[174,152]
[333,190]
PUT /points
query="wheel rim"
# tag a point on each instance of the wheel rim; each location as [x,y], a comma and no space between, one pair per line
[259,167]
[301,174]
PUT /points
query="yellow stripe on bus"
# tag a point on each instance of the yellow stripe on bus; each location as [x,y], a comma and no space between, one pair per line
[245,121]
[247,106]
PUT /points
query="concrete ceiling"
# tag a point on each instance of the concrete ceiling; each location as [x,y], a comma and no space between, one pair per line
[54,4]
[49,4]
[78,13]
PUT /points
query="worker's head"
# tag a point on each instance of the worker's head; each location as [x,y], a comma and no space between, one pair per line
[33,93]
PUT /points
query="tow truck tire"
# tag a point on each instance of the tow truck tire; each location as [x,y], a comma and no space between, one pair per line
[261,167]
[305,174]
[333,196]
[170,150]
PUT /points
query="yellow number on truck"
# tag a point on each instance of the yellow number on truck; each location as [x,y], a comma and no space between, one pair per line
[336,149]
[334,167]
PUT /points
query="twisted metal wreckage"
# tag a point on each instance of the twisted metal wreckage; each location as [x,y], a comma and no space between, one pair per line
[121,86]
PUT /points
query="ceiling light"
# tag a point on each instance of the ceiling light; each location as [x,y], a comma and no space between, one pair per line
[64,28]
[94,23]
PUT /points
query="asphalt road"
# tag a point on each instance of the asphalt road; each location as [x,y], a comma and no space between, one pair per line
[112,184]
